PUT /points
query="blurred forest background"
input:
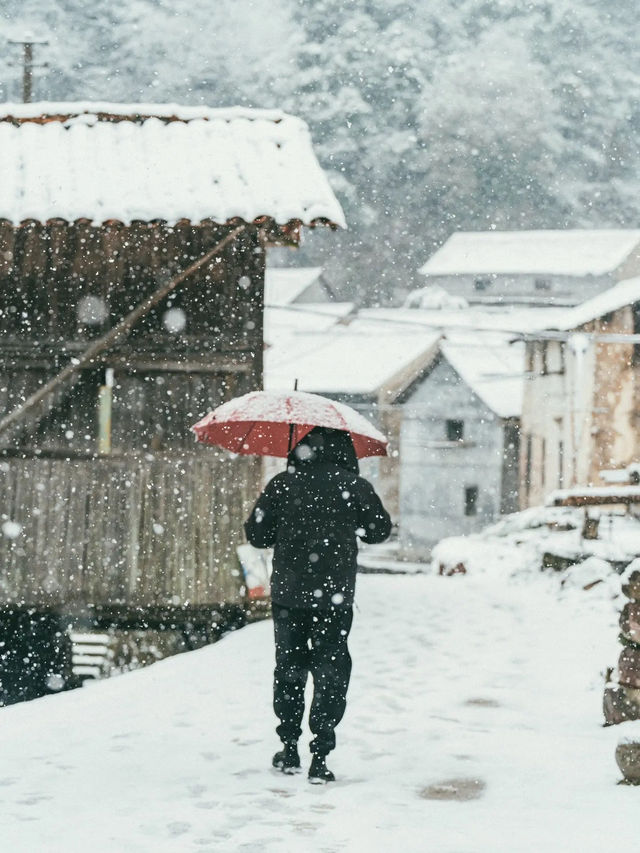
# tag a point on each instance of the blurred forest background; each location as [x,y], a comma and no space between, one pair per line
[428,115]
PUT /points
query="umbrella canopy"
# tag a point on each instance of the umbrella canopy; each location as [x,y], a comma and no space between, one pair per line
[269,423]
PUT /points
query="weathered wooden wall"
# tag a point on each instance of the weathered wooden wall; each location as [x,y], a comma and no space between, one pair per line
[124,531]
[154,524]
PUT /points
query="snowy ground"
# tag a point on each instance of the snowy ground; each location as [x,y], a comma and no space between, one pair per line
[459,678]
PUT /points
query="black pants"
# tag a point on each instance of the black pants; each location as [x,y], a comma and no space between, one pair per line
[311,641]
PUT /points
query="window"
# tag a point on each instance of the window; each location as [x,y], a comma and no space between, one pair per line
[560,464]
[530,358]
[544,355]
[542,284]
[455,430]
[482,283]
[527,465]
[471,500]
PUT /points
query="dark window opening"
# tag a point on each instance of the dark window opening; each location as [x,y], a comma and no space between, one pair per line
[527,466]
[530,358]
[482,283]
[471,500]
[544,366]
[542,284]
[636,331]
[560,464]
[563,359]
[455,430]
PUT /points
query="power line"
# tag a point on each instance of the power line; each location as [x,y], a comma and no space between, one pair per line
[518,334]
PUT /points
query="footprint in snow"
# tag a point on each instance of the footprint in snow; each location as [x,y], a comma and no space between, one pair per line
[459,790]
[481,702]
[178,828]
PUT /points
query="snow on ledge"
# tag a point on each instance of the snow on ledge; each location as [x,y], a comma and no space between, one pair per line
[594,496]
[126,162]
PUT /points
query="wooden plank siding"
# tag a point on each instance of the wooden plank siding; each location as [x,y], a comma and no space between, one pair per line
[90,525]
[127,531]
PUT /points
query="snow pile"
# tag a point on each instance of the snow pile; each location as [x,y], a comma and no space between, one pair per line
[434,297]
[519,545]
[206,164]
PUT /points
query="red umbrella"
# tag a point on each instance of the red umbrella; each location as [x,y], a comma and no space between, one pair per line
[270,423]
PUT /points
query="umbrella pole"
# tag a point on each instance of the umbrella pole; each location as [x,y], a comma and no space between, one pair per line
[289,448]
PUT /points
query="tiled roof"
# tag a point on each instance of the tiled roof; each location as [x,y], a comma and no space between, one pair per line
[145,162]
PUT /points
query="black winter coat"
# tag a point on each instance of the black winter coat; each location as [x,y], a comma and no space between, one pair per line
[311,514]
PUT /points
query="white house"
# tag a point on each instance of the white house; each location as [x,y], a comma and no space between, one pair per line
[459,440]
[533,267]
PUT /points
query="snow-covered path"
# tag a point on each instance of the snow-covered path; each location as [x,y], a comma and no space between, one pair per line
[454,679]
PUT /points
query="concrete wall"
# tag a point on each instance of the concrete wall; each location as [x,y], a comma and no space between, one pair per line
[434,472]
[580,410]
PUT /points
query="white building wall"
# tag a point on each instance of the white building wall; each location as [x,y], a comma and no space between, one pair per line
[557,417]
[435,472]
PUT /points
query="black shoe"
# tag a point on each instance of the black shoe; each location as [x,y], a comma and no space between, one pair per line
[287,760]
[319,773]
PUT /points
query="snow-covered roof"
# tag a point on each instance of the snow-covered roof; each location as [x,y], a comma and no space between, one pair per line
[491,366]
[356,359]
[624,293]
[283,285]
[570,253]
[128,162]
[284,320]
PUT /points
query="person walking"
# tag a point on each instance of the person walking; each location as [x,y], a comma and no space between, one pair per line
[312,515]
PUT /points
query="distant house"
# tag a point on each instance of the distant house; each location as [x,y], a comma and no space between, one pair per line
[580,408]
[459,440]
[533,267]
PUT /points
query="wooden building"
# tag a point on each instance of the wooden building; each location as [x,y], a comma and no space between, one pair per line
[108,507]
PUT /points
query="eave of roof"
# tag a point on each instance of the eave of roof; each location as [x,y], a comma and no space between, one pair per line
[76,162]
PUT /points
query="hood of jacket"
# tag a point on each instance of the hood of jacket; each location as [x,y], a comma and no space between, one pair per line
[323,445]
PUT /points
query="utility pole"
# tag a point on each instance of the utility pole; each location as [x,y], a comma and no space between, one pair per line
[28,65]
